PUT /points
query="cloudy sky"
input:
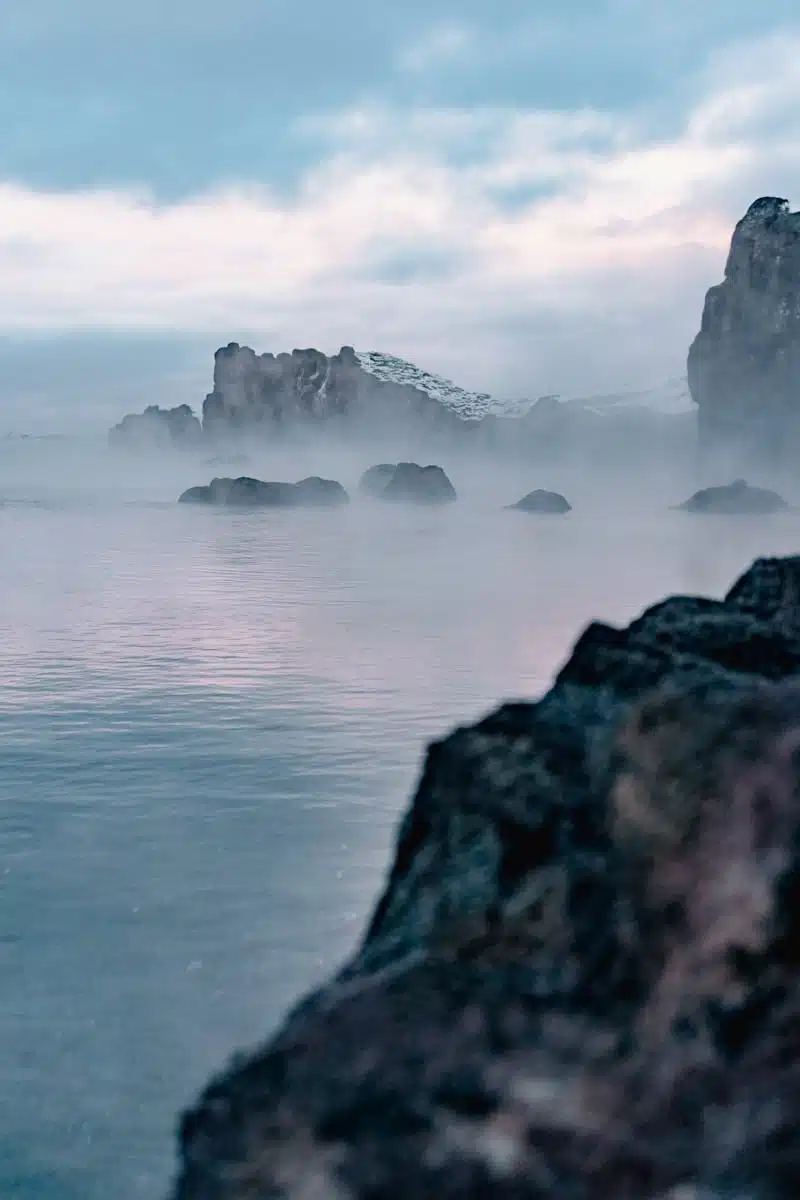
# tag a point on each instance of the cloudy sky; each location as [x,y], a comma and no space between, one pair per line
[526,198]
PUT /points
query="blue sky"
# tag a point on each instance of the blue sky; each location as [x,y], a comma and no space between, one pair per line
[528,198]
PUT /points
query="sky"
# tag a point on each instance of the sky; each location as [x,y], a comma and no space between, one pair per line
[526,198]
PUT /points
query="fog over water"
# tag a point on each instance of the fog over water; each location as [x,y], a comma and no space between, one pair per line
[210,722]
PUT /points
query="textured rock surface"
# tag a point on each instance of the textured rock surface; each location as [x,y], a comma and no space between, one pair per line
[411,483]
[735,499]
[541,501]
[744,364]
[157,427]
[269,393]
[246,492]
[581,981]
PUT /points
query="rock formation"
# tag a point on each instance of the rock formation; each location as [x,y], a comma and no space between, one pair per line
[541,501]
[581,981]
[411,483]
[744,364]
[245,492]
[267,394]
[735,499]
[157,427]
[374,480]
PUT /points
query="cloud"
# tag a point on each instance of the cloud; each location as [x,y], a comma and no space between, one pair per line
[523,251]
[440,44]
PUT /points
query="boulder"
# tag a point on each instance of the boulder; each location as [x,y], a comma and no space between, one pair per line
[735,499]
[374,480]
[414,484]
[245,492]
[543,502]
[582,980]
[744,364]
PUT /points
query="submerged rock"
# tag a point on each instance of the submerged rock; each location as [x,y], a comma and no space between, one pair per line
[374,480]
[735,499]
[543,502]
[582,979]
[245,492]
[419,485]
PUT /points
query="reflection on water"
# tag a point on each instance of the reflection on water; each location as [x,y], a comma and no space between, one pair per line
[210,722]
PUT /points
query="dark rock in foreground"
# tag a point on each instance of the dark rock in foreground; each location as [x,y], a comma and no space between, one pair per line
[157,428]
[744,364]
[245,492]
[374,480]
[735,499]
[581,981]
[414,484]
[541,501]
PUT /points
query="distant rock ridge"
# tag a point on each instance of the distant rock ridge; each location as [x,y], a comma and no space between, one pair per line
[158,427]
[744,364]
[264,397]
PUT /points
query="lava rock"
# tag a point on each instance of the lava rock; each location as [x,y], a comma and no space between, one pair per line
[541,501]
[245,492]
[414,484]
[582,979]
[735,499]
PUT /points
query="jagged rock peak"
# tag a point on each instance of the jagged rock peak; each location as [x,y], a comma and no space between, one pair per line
[744,363]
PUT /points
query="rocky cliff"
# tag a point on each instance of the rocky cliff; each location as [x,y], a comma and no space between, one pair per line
[744,364]
[582,980]
[268,393]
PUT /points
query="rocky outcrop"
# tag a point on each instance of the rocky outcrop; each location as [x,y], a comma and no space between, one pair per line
[268,394]
[245,492]
[541,501]
[744,364]
[157,427]
[581,981]
[412,484]
[735,499]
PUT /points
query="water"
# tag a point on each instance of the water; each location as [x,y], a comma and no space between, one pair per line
[209,724]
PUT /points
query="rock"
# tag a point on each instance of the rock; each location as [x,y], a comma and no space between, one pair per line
[581,981]
[374,480]
[543,502]
[735,499]
[412,483]
[319,493]
[157,427]
[744,363]
[245,492]
[269,395]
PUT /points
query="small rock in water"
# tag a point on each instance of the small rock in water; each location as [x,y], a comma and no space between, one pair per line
[542,501]
[245,492]
[374,480]
[735,499]
[419,485]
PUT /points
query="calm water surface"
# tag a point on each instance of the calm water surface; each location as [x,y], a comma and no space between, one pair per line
[209,724]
